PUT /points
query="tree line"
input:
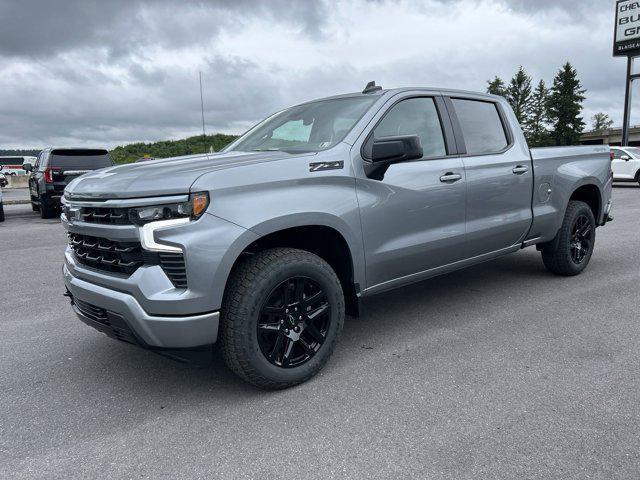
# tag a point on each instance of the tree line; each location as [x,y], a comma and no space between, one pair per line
[171,148]
[548,115]
[163,149]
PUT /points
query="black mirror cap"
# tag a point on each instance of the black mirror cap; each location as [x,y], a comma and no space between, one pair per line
[396,149]
[389,150]
[27,167]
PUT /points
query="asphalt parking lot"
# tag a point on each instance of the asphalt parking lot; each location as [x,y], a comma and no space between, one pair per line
[498,371]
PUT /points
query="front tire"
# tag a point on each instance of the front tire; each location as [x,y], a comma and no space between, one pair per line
[1,212]
[569,253]
[282,313]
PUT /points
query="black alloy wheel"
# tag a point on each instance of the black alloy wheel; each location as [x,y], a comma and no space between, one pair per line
[281,316]
[570,251]
[294,322]
[581,239]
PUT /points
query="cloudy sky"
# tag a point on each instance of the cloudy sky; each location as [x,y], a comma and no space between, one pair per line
[82,72]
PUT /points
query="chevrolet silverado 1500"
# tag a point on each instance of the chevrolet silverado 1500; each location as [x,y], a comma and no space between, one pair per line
[265,246]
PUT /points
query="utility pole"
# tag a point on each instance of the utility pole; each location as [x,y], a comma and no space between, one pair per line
[204,136]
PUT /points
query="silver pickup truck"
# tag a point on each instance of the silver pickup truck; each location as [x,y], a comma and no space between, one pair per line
[265,246]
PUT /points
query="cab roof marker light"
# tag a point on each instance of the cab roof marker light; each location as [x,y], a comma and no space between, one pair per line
[148,241]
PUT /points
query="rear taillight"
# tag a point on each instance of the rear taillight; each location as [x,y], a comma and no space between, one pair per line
[48,174]
[612,156]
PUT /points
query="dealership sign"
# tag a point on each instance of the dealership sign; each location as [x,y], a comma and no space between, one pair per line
[627,33]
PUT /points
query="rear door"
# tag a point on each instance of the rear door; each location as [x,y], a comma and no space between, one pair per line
[36,177]
[413,216]
[499,176]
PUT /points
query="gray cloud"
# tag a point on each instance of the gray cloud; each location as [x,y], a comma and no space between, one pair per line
[45,27]
[107,73]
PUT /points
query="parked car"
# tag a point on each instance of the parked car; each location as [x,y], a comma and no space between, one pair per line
[626,164]
[12,165]
[54,169]
[266,245]
[3,183]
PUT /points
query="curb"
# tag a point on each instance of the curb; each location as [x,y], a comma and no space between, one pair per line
[16,202]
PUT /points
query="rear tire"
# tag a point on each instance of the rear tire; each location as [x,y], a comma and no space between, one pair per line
[1,212]
[35,207]
[569,253]
[46,211]
[282,313]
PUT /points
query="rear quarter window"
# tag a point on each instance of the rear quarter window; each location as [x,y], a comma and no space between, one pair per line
[481,126]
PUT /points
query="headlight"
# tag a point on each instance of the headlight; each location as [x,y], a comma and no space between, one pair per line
[193,209]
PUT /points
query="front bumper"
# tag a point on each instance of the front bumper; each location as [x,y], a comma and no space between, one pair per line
[121,316]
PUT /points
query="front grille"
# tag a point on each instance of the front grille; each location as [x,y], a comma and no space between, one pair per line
[107,322]
[107,255]
[110,216]
[125,257]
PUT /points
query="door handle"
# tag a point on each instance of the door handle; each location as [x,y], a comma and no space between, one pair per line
[450,177]
[520,169]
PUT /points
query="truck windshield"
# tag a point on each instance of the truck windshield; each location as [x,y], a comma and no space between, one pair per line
[306,128]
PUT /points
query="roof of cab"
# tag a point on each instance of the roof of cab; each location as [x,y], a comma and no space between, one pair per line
[393,91]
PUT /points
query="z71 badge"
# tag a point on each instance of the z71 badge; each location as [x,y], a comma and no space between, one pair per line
[319,166]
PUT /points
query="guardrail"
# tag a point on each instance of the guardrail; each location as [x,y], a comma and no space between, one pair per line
[17,181]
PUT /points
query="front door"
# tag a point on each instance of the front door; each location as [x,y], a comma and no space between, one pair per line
[413,218]
[499,177]
[623,165]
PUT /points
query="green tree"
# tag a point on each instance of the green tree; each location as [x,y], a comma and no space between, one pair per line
[601,121]
[496,87]
[519,95]
[171,148]
[536,129]
[565,106]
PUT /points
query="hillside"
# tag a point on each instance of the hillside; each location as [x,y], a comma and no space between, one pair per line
[171,148]
[168,148]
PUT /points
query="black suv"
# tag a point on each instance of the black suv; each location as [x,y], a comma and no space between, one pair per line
[54,169]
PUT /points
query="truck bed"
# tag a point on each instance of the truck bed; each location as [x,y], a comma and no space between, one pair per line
[559,171]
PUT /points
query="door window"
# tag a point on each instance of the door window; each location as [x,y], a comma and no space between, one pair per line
[481,126]
[415,116]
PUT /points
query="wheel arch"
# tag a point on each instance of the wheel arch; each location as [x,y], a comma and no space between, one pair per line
[590,194]
[328,242]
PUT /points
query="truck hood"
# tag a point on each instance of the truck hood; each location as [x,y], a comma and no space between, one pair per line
[170,176]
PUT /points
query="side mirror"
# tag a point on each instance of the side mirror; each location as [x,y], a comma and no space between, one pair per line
[389,150]
[27,167]
[626,158]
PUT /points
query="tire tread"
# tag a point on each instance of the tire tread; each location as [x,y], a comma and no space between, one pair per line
[242,283]
[558,260]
